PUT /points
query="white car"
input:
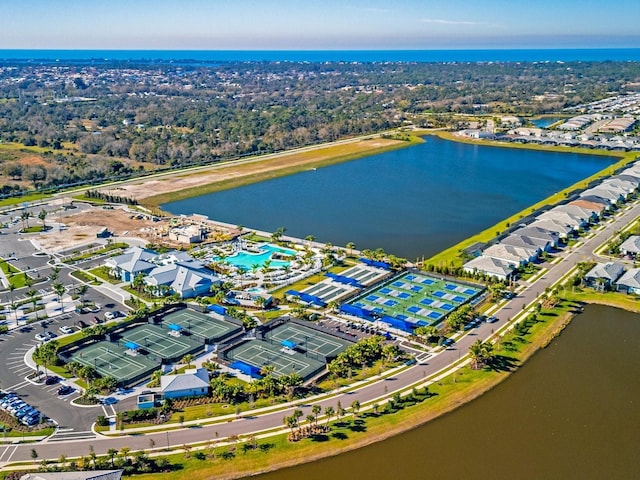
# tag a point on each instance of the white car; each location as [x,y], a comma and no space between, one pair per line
[110,315]
[41,337]
[66,329]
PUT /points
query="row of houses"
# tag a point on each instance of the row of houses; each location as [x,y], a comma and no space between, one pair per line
[174,272]
[613,275]
[550,229]
[539,136]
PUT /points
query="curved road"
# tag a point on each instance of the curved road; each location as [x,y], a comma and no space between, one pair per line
[570,257]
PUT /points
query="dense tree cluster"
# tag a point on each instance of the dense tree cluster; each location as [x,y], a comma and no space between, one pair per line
[111,120]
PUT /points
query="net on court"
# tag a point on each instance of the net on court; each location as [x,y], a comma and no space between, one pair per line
[110,359]
[161,343]
[205,326]
[259,354]
[309,341]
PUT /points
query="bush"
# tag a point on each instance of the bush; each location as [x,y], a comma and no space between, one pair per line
[102,421]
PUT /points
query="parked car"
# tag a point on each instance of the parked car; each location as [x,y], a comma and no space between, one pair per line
[95,320]
[93,308]
[65,390]
[41,337]
[81,324]
[492,319]
[51,379]
[50,335]
[66,329]
[110,315]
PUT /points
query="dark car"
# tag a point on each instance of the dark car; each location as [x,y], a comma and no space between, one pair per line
[82,324]
[65,390]
[96,320]
[51,380]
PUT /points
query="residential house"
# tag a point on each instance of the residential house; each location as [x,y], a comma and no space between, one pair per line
[604,275]
[516,256]
[489,266]
[554,226]
[629,282]
[631,246]
[191,383]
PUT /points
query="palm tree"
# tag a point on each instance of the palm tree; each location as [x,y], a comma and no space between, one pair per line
[351,246]
[316,409]
[14,307]
[59,289]
[329,412]
[188,358]
[112,452]
[82,291]
[42,215]
[476,352]
[32,294]
[355,406]
[24,216]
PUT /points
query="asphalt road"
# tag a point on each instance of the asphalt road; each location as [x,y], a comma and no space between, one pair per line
[434,364]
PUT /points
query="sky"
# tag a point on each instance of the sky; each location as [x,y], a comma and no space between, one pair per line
[318,24]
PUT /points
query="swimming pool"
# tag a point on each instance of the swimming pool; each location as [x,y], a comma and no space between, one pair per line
[247,260]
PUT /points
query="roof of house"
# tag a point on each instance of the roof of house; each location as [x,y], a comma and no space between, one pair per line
[489,265]
[190,379]
[610,271]
[565,218]
[552,225]
[518,240]
[134,259]
[589,205]
[609,193]
[181,276]
[630,278]
[539,233]
[582,213]
[595,198]
[631,244]
[510,253]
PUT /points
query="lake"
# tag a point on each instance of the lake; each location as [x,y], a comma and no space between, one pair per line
[571,412]
[411,202]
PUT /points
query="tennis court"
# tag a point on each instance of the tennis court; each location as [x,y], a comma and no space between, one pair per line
[259,353]
[163,343]
[418,298]
[307,339]
[201,325]
[111,360]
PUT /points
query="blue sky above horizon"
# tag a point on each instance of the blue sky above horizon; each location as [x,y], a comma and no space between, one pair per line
[312,25]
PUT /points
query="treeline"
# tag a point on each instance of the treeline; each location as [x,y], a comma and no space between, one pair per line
[107,197]
[114,120]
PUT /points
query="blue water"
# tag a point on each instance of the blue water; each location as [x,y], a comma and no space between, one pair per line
[544,122]
[207,56]
[411,202]
[247,260]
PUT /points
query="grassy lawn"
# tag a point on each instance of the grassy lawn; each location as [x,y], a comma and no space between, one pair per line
[10,202]
[15,277]
[611,299]
[85,277]
[102,273]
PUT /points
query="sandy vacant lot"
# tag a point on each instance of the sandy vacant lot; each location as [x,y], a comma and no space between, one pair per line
[82,227]
[247,168]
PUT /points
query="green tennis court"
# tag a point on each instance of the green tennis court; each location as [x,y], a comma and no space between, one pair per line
[111,360]
[199,324]
[307,339]
[260,353]
[162,343]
